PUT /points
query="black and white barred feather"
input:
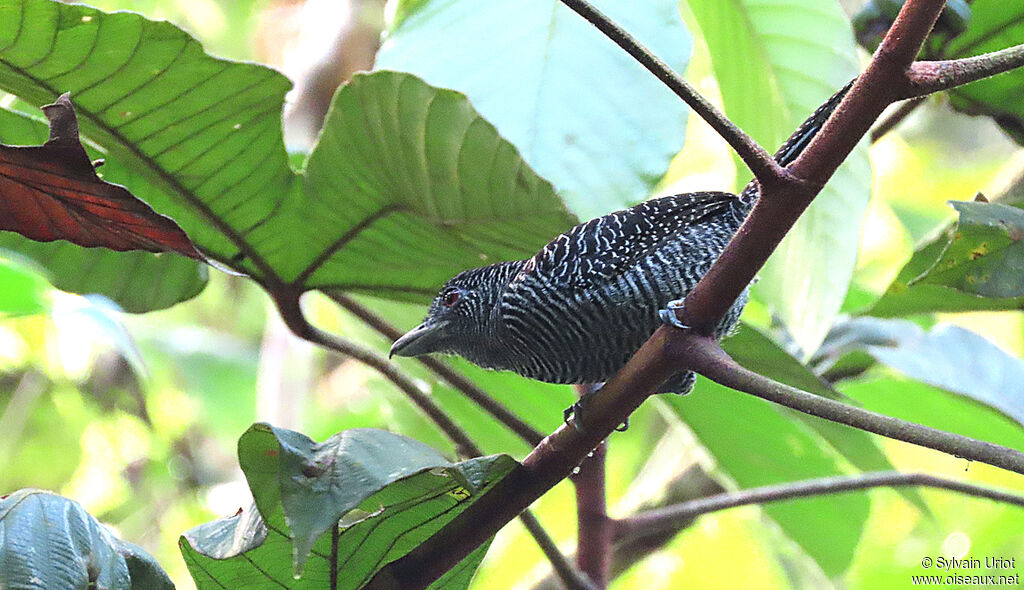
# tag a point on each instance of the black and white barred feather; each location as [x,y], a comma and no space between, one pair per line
[581,307]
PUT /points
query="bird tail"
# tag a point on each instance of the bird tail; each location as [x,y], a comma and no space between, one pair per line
[800,139]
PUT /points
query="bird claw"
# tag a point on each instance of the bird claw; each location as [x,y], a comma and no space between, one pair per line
[575,413]
[668,315]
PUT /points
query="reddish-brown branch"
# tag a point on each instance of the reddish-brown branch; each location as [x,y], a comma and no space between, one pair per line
[925,77]
[781,204]
[783,199]
[594,528]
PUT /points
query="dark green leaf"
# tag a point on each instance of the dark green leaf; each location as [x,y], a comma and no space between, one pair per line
[986,253]
[583,113]
[389,493]
[49,542]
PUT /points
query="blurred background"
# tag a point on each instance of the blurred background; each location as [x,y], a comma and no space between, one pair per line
[137,416]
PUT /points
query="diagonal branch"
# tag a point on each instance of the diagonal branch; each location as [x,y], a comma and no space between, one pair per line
[783,199]
[673,518]
[291,312]
[925,77]
[490,405]
[760,162]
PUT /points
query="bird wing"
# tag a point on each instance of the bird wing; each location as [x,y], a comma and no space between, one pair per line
[596,252]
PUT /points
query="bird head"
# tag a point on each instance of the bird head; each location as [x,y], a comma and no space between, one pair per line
[459,315]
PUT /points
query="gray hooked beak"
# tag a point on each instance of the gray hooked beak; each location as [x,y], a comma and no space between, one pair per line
[422,339]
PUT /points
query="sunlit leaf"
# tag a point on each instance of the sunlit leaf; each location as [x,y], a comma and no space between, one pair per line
[583,113]
[948,357]
[775,62]
[22,290]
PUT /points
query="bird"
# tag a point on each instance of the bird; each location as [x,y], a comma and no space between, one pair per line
[584,304]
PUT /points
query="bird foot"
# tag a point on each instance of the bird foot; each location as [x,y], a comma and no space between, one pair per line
[575,413]
[668,315]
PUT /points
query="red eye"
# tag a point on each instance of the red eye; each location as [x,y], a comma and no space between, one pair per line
[451,298]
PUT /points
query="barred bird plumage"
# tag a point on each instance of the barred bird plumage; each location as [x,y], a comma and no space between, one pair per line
[582,306]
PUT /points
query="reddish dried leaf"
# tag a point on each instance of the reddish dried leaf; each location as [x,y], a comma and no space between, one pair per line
[51,192]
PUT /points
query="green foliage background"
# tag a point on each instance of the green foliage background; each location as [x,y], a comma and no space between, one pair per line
[137,416]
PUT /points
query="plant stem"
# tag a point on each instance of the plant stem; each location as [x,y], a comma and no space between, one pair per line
[571,578]
[291,312]
[704,355]
[594,528]
[895,118]
[673,518]
[760,162]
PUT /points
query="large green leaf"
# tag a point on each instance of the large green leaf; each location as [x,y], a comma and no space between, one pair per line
[948,357]
[994,25]
[757,352]
[775,62]
[974,264]
[137,281]
[756,444]
[48,542]
[206,133]
[919,402]
[389,493]
[409,185]
[584,114]
[402,167]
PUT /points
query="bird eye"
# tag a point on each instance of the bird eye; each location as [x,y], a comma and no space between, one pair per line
[451,298]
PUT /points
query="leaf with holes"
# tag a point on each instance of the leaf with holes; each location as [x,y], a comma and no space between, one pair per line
[52,192]
[975,264]
[48,542]
[389,493]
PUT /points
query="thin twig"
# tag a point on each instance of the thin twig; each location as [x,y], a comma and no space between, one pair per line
[926,77]
[704,355]
[896,117]
[490,405]
[335,537]
[673,518]
[570,577]
[291,312]
[760,162]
